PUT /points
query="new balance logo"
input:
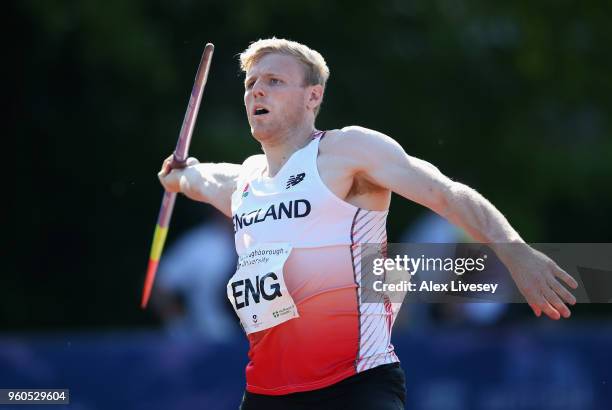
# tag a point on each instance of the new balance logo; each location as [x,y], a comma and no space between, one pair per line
[295,179]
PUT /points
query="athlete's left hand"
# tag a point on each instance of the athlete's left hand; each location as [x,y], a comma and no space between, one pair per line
[540,280]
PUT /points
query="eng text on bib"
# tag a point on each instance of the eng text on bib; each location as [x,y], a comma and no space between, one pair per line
[257,290]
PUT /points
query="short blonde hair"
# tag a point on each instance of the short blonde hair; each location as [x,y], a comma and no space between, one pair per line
[316,71]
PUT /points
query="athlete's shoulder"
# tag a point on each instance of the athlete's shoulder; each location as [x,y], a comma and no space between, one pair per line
[359,149]
[353,137]
[353,133]
[356,130]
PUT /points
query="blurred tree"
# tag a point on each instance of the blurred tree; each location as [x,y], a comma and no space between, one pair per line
[513,99]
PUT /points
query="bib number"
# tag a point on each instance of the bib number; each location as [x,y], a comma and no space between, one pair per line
[257,291]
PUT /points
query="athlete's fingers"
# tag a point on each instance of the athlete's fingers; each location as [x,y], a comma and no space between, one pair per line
[561,291]
[565,277]
[549,310]
[531,298]
[554,300]
[536,310]
[170,163]
[537,298]
[165,169]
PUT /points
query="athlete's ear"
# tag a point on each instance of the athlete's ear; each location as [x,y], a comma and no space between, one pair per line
[315,96]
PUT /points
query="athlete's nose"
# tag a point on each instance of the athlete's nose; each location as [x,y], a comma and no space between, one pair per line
[257,89]
[258,93]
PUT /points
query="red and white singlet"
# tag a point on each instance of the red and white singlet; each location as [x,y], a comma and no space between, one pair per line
[335,335]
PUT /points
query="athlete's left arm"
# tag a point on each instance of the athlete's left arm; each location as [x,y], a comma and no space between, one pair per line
[383,162]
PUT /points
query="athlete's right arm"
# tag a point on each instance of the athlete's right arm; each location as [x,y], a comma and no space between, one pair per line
[205,182]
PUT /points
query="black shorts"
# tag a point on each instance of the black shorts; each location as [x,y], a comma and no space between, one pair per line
[380,388]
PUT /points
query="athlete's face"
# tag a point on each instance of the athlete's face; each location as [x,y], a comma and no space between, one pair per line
[275,97]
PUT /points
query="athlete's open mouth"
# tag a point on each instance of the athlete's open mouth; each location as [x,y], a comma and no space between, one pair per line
[261,111]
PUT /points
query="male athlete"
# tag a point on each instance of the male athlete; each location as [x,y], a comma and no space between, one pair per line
[300,210]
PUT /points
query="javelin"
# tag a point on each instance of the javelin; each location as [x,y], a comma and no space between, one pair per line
[179,158]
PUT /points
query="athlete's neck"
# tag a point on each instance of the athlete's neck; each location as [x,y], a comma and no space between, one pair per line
[279,150]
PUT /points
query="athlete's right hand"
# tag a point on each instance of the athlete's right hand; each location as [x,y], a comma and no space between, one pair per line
[171,172]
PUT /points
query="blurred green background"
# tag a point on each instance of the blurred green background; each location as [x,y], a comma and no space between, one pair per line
[512,98]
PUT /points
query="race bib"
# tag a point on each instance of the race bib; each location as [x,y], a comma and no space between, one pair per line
[257,290]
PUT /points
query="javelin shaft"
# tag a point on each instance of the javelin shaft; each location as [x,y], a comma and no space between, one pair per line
[179,158]
[182,146]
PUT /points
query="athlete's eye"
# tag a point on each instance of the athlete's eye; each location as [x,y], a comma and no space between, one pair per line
[275,81]
[249,84]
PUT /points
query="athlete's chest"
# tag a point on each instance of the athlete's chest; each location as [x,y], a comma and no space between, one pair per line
[294,206]
[279,202]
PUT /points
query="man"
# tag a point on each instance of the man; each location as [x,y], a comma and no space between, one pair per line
[300,212]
